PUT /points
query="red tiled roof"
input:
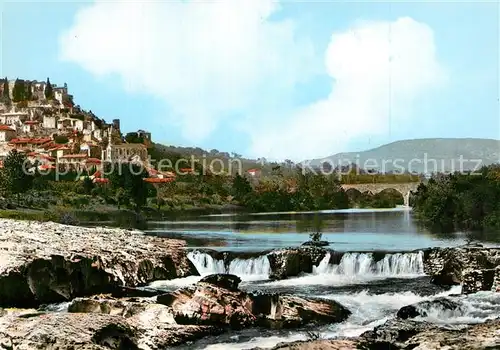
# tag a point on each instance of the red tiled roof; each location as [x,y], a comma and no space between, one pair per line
[168,173]
[158,180]
[46,167]
[186,170]
[30,141]
[79,155]
[93,161]
[101,180]
[6,128]
[47,157]
[97,174]
[59,147]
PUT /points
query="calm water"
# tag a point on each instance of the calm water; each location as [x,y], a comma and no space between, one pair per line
[346,230]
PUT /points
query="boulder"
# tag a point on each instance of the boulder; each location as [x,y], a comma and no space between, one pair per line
[407,334]
[207,303]
[480,280]
[423,308]
[218,303]
[49,262]
[291,262]
[288,311]
[226,281]
[446,266]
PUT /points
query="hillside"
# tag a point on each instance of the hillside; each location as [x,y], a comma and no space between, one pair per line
[419,154]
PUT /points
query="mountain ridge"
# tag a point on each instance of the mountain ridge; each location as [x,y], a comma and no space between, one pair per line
[450,154]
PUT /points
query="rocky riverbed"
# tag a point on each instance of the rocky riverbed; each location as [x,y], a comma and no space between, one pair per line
[121,289]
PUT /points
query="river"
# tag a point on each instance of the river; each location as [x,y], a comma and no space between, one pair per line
[372,288]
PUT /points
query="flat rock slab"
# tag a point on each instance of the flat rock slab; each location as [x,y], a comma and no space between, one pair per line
[93,331]
[49,262]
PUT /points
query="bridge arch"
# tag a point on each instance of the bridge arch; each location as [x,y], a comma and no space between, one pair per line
[404,189]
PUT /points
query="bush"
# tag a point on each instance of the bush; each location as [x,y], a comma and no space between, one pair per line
[315,236]
[68,219]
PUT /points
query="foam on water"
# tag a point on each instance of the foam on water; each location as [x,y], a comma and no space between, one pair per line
[355,268]
[371,310]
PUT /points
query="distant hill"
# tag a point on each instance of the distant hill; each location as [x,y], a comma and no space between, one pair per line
[422,155]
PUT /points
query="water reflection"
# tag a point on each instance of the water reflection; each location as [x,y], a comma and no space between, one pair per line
[345,230]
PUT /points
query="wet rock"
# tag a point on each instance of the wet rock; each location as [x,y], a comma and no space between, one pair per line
[287,311]
[49,262]
[290,262]
[206,303]
[447,265]
[220,304]
[316,243]
[407,334]
[423,308]
[481,280]
[226,281]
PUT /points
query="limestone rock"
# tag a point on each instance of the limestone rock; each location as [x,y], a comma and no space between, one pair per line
[49,262]
[211,304]
[291,262]
[447,265]
[287,311]
[146,328]
[219,304]
[481,280]
[406,334]
[423,308]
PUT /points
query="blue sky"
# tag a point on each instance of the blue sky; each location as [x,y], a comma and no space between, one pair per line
[280,80]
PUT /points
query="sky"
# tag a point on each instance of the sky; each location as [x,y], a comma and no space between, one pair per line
[275,79]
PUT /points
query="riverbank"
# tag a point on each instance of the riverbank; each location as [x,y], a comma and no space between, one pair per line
[112,216]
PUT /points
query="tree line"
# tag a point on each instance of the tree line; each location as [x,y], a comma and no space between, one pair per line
[460,201]
[23,91]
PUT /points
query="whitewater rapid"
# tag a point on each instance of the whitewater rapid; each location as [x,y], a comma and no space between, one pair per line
[368,309]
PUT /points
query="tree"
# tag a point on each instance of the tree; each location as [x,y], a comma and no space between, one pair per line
[130,178]
[241,187]
[19,91]
[28,94]
[49,92]
[121,197]
[15,175]
[61,139]
[5,92]
[88,185]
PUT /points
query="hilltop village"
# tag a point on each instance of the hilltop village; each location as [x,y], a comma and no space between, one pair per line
[41,120]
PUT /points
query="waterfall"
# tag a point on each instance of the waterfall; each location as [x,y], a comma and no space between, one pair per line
[247,269]
[258,266]
[205,264]
[359,264]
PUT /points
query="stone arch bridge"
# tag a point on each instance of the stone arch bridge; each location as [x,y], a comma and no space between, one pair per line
[373,188]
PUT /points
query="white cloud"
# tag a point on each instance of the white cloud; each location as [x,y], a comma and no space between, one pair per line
[378,69]
[212,60]
[205,59]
